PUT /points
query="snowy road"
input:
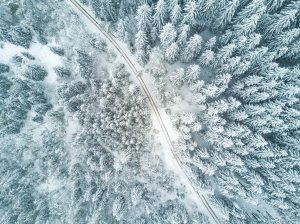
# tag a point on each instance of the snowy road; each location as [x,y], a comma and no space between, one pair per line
[159,114]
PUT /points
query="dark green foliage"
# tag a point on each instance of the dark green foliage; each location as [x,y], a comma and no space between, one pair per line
[74,105]
[58,50]
[62,72]
[98,44]
[85,2]
[13,7]
[5,85]
[43,108]
[37,97]
[42,39]
[20,35]
[14,127]
[19,97]
[105,10]
[17,112]
[36,73]
[73,89]
[173,210]
[17,59]
[4,68]
[29,56]
[86,67]
[38,118]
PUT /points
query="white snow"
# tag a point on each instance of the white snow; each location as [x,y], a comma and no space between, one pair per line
[43,56]
[51,184]
[48,59]
[8,51]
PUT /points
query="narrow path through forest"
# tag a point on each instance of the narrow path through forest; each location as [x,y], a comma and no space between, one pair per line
[153,105]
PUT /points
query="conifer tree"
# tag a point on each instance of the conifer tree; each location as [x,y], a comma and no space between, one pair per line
[160,14]
[144,18]
[191,13]
[193,48]
[168,35]
[172,52]
[176,14]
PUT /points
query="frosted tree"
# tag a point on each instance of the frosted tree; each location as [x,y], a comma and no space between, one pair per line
[192,74]
[172,52]
[225,16]
[160,14]
[210,90]
[144,18]
[193,48]
[191,13]
[284,38]
[231,65]
[222,79]
[219,205]
[141,40]
[136,195]
[142,56]
[176,14]
[85,63]
[256,7]
[122,30]
[168,35]
[278,22]
[183,35]
[224,53]
[178,77]
[256,140]
[118,207]
[274,5]
[246,43]
[211,43]
[247,26]
[105,10]
[197,86]
[206,58]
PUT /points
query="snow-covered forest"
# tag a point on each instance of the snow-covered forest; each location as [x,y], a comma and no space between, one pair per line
[79,138]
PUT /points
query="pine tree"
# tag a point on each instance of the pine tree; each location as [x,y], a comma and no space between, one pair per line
[191,13]
[141,40]
[168,35]
[118,207]
[176,15]
[256,7]
[160,14]
[224,54]
[246,27]
[278,22]
[206,58]
[121,30]
[192,74]
[136,195]
[192,48]
[274,5]
[284,38]
[144,18]
[178,77]
[183,35]
[172,52]
[225,16]
[231,66]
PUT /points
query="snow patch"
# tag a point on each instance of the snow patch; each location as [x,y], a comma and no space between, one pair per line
[48,59]
[8,51]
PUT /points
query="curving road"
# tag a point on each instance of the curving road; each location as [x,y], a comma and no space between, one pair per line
[147,93]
